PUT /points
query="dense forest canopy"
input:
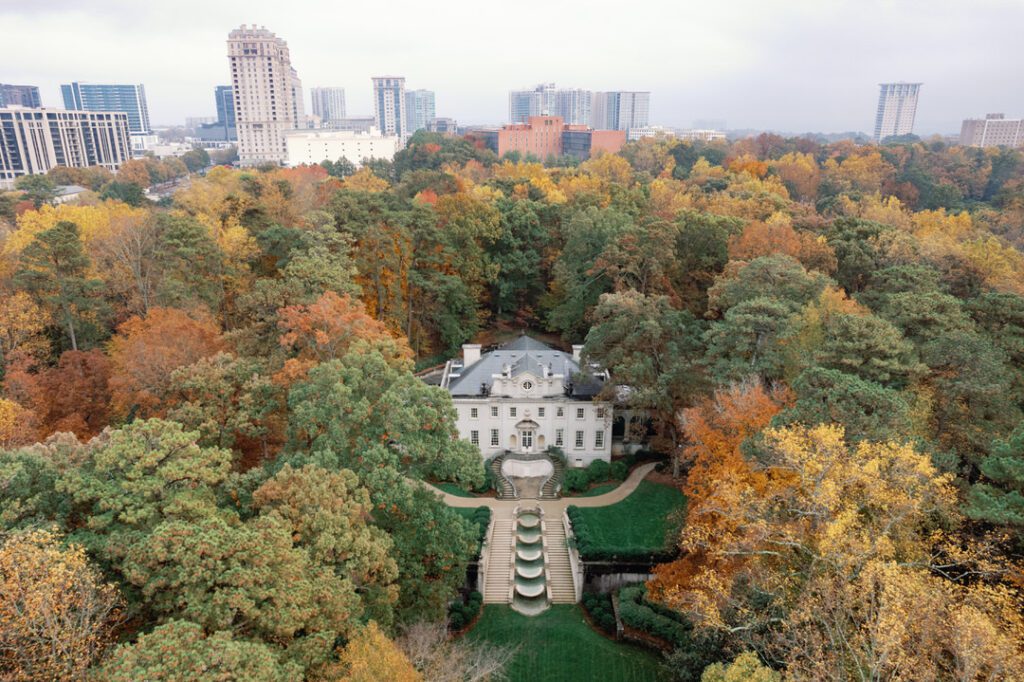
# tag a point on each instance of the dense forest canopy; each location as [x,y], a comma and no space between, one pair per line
[209,419]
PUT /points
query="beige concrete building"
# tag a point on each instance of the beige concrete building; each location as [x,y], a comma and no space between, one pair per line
[995,130]
[267,94]
[33,141]
[313,146]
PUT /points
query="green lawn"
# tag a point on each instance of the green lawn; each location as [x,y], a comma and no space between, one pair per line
[559,646]
[600,489]
[453,489]
[635,526]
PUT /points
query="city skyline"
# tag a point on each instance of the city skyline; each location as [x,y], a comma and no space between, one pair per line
[698,62]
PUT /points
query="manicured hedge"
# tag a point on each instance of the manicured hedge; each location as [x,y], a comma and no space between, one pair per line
[461,614]
[599,606]
[599,471]
[639,614]
[481,516]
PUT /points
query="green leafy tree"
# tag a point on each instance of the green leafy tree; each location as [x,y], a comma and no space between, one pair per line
[141,475]
[868,347]
[578,281]
[39,189]
[924,317]
[125,192]
[191,265]
[224,398]
[182,650]
[342,168]
[856,245]
[432,547]
[779,277]
[999,497]
[244,577]
[54,270]
[330,514]
[196,159]
[518,251]
[701,253]
[970,383]
[866,410]
[351,404]
[654,351]
[746,341]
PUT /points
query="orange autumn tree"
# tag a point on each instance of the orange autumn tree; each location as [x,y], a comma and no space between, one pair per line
[72,396]
[715,429]
[146,350]
[327,328]
[777,235]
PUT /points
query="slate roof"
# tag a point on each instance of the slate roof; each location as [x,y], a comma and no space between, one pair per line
[524,355]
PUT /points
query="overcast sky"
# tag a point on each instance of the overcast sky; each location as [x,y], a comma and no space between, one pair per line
[786,65]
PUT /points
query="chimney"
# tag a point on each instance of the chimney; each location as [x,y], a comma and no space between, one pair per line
[470,353]
[576,349]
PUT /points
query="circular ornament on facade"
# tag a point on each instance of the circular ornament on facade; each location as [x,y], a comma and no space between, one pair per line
[527,385]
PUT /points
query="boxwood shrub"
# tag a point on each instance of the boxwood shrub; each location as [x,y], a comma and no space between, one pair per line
[639,614]
[462,613]
[599,606]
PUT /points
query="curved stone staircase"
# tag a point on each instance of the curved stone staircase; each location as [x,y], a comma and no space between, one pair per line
[552,488]
[502,485]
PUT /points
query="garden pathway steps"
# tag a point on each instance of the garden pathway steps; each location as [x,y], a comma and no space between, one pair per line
[561,587]
[498,578]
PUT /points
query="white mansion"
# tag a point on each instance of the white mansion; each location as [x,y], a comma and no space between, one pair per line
[525,396]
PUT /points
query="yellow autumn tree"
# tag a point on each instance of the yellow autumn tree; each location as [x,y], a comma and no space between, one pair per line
[363,180]
[22,323]
[16,424]
[93,221]
[818,504]
[609,168]
[801,174]
[55,612]
[369,657]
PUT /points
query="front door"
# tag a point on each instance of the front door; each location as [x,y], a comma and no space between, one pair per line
[527,440]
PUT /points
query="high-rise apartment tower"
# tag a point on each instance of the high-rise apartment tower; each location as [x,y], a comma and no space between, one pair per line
[389,106]
[328,103]
[130,99]
[897,105]
[419,109]
[267,94]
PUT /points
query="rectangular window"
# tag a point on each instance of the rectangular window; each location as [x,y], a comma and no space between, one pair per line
[511,411]
[579,440]
[559,438]
[560,412]
[474,437]
[474,412]
[540,411]
[599,439]
[599,413]
[494,438]
[579,413]
[494,410]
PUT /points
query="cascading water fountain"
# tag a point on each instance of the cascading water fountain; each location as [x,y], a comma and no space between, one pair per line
[530,594]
